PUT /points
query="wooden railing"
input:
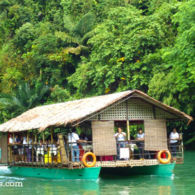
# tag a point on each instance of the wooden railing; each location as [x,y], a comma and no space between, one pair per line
[51,154]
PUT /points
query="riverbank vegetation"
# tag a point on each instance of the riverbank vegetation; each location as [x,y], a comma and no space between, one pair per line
[58,50]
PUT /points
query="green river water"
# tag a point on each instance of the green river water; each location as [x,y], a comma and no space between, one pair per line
[182,182]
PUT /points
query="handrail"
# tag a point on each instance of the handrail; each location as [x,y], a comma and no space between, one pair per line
[49,153]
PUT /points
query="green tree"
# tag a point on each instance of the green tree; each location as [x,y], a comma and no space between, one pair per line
[178,64]
[174,81]
[23,98]
[118,47]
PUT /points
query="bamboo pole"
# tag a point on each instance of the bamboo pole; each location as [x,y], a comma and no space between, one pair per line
[52,136]
[35,137]
[10,157]
[128,131]
[43,137]
[13,138]
[27,137]
[127,118]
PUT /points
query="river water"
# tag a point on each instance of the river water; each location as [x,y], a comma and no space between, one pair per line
[182,182]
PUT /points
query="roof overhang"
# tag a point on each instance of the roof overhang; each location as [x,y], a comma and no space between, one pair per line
[77,111]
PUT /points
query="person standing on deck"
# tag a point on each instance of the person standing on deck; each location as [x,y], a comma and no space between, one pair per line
[20,147]
[140,143]
[18,141]
[120,138]
[16,148]
[40,151]
[11,140]
[174,137]
[73,140]
[29,150]
[24,148]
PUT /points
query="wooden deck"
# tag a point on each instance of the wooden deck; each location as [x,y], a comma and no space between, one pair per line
[119,163]
[69,165]
[128,163]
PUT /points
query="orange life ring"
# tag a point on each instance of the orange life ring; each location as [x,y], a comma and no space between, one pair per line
[89,164]
[164,160]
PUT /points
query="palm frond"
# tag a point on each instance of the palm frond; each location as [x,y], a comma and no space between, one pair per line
[67,37]
[87,36]
[68,24]
[24,98]
[85,25]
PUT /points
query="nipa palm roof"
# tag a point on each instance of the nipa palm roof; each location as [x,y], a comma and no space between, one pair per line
[70,112]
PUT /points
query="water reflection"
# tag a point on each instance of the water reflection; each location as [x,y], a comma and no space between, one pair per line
[138,185]
[50,187]
[122,186]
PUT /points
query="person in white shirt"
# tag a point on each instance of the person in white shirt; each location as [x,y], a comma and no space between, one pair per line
[11,141]
[40,150]
[73,139]
[24,142]
[174,137]
[53,148]
[140,143]
[120,138]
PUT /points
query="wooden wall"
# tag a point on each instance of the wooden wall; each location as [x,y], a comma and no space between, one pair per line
[155,135]
[104,142]
[4,148]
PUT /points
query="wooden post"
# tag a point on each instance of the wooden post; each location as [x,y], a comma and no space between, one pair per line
[43,137]
[35,137]
[63,154]
[128,130]
[27,137]
[13,138]
[10,157]
[35,147]
[52,136]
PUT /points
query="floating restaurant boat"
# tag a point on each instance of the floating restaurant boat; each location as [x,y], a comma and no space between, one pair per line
[99,115]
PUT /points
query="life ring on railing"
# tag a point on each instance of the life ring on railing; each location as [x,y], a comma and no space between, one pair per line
[89,164]
[164,160]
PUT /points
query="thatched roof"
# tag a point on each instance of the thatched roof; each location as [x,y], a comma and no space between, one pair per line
[70,112]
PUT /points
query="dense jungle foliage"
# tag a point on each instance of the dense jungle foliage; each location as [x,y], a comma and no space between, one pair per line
[57,50]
